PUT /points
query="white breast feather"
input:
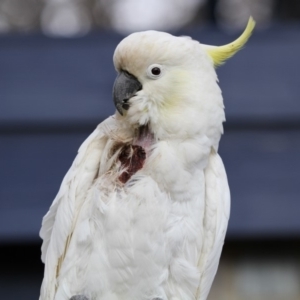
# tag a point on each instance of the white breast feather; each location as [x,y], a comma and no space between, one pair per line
[160,235]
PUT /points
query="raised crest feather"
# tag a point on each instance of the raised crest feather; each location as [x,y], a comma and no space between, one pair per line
[220,54]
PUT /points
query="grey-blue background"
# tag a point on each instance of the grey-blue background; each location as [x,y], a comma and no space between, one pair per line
[53,92]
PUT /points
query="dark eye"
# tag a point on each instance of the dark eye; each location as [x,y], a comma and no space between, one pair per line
[155,71]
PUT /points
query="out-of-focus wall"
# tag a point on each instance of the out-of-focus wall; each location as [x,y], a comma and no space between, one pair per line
[258,270]
[78,17]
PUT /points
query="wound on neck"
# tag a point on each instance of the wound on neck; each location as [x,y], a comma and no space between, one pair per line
[132,158]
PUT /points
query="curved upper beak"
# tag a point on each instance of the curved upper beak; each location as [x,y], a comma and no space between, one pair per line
[125,87]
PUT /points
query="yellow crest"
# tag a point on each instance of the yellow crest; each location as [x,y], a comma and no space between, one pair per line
[220,53]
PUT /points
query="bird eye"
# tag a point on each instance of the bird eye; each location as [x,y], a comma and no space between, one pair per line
[155,71]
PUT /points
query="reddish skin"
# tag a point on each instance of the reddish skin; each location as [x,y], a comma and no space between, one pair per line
[131,162]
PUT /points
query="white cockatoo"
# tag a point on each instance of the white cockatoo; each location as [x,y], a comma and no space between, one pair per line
[142,213]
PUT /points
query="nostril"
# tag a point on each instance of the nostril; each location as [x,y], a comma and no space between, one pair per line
[125,104]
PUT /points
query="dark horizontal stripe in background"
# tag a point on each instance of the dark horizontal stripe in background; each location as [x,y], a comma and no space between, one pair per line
[53,92]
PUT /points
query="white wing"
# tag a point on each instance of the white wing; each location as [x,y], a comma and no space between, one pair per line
[59,222]
[215,222]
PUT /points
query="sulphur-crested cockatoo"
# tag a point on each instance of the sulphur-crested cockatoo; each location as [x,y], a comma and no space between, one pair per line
[143,211]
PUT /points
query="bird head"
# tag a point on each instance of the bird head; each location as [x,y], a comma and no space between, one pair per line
[170,83]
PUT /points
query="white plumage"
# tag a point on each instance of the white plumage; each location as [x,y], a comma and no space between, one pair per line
[142,213]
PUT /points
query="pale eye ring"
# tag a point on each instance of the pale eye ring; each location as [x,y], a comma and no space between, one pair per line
[155,71]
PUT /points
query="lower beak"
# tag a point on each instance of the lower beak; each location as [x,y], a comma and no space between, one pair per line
[125,87]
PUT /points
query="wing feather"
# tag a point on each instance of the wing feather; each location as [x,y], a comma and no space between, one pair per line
[59,222]
[215,222]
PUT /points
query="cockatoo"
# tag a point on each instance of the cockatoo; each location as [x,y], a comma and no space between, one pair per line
[143,211]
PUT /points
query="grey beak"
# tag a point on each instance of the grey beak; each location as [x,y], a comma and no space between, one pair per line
[125,87]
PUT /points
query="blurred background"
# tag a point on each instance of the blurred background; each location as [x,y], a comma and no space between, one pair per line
[56,77]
